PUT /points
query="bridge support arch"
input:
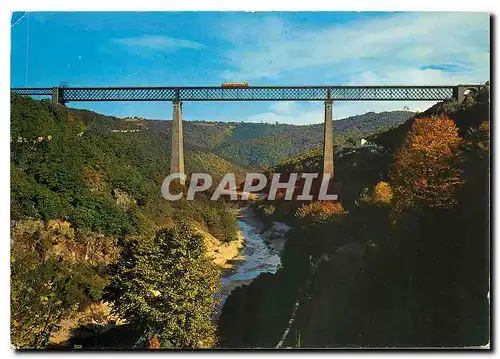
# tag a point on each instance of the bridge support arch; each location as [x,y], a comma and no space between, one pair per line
[328,166]
[177,159]
[459,92]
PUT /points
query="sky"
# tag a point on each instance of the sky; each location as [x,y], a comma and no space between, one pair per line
[266,48]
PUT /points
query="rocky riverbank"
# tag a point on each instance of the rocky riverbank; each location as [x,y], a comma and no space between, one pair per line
[258,254]
[223,253]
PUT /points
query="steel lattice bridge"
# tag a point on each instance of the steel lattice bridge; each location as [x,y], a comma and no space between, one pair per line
[177,95]
[253,93]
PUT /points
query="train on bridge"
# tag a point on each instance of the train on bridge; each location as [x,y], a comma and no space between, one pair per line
[235,84]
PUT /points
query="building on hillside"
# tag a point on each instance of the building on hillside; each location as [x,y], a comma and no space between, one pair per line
[125,131]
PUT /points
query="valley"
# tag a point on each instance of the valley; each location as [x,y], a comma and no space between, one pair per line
[397,254]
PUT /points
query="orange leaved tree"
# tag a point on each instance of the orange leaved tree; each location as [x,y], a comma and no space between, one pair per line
[426,171]
[382,193]
[319,212]
[154,342]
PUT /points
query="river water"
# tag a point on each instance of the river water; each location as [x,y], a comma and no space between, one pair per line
[257,257]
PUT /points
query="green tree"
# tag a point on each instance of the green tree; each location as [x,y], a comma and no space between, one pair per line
[166,284]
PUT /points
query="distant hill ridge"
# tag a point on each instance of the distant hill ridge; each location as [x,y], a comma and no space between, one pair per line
[257,144]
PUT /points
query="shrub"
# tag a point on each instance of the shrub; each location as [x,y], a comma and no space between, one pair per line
[319,212]
[382,193]
[269,210]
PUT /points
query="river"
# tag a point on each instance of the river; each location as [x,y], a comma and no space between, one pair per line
[255,257]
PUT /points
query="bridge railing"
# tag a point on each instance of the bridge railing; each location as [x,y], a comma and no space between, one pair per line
[254,93]
[27,91]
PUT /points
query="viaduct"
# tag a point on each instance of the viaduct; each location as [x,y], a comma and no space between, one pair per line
[178,95]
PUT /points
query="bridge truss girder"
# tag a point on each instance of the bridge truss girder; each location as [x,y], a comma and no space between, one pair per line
[253,93]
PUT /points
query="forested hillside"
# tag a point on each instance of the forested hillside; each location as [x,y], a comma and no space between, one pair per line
[255,145]
[401,260]
[84,198]
[265,145]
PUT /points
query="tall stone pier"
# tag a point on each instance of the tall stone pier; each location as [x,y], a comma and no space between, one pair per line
[56,96]
[177,159]
[328,167]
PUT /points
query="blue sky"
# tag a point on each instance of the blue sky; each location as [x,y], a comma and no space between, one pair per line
[273,48]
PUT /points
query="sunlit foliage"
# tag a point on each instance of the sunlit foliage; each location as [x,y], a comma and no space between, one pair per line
[53,274]
[382,193]
[426,171]
[320,211]
[166,283]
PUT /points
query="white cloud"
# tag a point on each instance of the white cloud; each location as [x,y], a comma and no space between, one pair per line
[352,108]
[400,49]
[158,43]
[299,113]
[290,112]
[278,50]
[417,76]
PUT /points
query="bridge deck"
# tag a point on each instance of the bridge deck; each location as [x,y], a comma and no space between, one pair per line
[253,93]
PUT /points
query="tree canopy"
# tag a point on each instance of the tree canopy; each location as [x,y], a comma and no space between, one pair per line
[166,283]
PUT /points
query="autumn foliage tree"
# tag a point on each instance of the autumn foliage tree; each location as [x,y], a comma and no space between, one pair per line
[426,170]
[382,193]
[319,212]
[154,342]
